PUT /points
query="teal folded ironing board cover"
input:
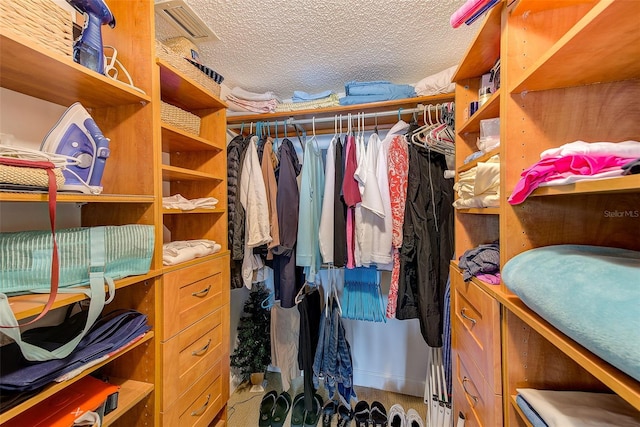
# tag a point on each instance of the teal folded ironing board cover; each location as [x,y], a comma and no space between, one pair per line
[590,293]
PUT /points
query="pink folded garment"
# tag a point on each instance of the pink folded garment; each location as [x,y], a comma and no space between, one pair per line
[559,167]
[466,11]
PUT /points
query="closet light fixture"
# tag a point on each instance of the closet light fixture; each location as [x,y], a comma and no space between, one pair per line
[184,19]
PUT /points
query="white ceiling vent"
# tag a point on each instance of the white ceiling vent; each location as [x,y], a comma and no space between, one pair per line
[185,20]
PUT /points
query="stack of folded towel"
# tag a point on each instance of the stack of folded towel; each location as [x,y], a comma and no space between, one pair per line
[178,201]
[375,91]
[479,187]
[305,101]
[184,250]
[245,101]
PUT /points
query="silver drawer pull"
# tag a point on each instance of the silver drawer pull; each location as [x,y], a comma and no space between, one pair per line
[464,387]
[201,293]
[200,410]
[470,319]
[202,350]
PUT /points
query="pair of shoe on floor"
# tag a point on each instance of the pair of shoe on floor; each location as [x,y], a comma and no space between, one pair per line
[399,418]
[274,409]
[300,417]
[332,408]
[370,416]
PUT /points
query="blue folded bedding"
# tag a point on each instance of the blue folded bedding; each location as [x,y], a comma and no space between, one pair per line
[590,293]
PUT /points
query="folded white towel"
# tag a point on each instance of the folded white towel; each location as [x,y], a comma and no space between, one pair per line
[184,250]
[179,202]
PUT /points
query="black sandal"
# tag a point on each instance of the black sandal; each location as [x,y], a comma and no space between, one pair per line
[328,411]
[378,414]
[344,416]
[266,408]
[361,414]
[311,418]
[281,409]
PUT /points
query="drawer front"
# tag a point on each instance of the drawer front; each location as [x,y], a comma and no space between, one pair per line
[187,357]
[476,327]
[202,402]
[193,292]
[474,397]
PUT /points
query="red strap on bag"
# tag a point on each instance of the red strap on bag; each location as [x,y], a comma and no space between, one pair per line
[55,264]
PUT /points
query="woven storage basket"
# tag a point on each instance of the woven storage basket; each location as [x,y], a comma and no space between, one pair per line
[179,118]
[29,177]
[185,67]
[42,21]
[184,47]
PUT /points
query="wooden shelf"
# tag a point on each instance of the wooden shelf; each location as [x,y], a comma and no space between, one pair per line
[516,407]
[489,110]
[611,56]
[184,92]
[480,159]
[28,305]
[27,68]
[619,382]
[193,211]
[172,173]
[484,50]
[384,122]
[130,394]
[479,211]
[56,387]
[622,184]
[175,139]
[75,198]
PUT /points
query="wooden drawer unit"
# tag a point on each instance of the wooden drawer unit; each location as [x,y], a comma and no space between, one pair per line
[189,355]
[475,321]
[194,348]
[191,293]
[200,404]
[473,396]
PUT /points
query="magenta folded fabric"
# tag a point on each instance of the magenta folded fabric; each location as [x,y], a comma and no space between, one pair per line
[559,167]
[466,11]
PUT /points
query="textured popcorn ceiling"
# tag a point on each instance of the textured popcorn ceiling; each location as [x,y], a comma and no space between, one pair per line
[287,45]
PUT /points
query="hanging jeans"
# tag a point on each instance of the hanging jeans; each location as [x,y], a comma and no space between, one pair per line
[427,246]
[333,357]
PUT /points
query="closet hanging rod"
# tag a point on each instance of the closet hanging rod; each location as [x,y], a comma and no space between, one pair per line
[345,116]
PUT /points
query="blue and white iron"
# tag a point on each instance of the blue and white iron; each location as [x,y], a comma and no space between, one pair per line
[76,135]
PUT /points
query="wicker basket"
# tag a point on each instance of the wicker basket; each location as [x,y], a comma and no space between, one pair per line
[42,21]
[179,118]
[185,67]
[184,47]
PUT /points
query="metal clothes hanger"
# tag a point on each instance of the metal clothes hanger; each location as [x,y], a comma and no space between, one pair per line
[375,129]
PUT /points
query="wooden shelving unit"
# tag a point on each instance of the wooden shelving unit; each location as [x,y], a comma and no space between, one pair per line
[193,332]
[50,391]
[555,63]
[133,183]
